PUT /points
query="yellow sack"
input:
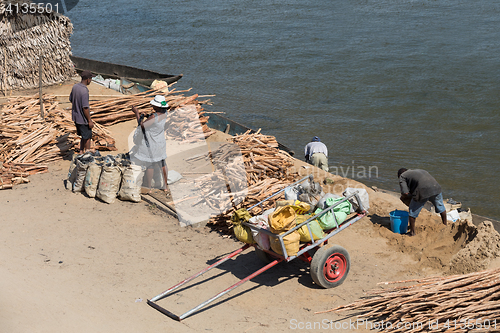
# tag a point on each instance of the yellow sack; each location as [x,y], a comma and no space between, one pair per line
[282,219]
[316,229]
[241,215]
[299,206]
[291,241]
[281,203]
[242,232]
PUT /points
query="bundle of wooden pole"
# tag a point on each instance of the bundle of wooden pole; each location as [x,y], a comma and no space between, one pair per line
[28,141]
[186,120]
[451,304]
[115,110]
[247,171]
[119,109]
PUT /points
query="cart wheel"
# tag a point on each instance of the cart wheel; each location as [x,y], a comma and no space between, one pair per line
[330,266]
[263,256]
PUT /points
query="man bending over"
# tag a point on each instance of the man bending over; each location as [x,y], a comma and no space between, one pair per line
[418,187]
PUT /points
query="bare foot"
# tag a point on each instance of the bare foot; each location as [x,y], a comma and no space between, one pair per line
[146,190]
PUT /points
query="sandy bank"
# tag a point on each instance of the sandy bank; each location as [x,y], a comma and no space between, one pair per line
[69,263]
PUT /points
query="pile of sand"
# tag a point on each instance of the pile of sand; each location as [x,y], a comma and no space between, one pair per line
[457,248]
[479,252]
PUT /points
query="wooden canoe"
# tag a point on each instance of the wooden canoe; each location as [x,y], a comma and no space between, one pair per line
[114,71]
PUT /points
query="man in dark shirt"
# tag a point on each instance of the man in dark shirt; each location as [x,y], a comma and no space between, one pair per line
[418,187]
[80,111]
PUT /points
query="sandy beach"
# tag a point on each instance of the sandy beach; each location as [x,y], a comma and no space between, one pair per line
[69,263]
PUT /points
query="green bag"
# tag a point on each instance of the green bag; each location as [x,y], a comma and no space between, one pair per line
[316,229]
[327,221]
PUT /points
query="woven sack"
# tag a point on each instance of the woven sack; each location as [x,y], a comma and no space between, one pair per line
[72,170]
[316,229]
[242,232]
[92,179]
[327,221]
[291,242]
[130,188]
[299,206]
[261,238]
[282,219]
[282,203]
[81,172]
[109,183]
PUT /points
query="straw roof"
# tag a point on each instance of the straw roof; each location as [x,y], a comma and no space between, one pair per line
[23,37]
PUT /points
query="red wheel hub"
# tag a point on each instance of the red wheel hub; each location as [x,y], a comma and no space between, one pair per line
[335,267]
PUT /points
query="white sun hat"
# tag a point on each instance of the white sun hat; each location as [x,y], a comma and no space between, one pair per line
[159,101]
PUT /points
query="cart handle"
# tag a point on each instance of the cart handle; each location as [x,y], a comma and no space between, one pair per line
[203,271]
[151,302]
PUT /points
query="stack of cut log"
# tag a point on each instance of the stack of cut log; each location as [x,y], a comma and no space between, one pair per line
[16,173]
[262,157]
[185,121]
[462,303]
[28,141]
[247,171]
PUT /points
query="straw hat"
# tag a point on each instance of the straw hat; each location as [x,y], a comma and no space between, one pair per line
[159,101]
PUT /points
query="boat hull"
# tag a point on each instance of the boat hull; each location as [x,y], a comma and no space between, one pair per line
[114,71]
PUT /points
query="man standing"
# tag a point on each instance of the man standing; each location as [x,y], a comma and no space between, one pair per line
[418,187]
[80,112]
[316,154]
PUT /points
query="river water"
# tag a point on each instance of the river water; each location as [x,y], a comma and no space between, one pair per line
[385,84]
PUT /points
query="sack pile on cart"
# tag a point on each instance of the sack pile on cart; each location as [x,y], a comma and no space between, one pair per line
[106,177]
[291,212]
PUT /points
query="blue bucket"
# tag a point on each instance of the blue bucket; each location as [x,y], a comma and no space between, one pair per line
[399,221]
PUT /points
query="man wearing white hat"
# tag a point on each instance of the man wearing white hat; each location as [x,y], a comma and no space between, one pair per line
[152,149]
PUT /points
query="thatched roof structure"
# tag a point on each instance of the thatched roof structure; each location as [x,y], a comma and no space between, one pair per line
[23,37]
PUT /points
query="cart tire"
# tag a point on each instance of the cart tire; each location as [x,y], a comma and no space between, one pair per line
[264,256]
[330,266]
